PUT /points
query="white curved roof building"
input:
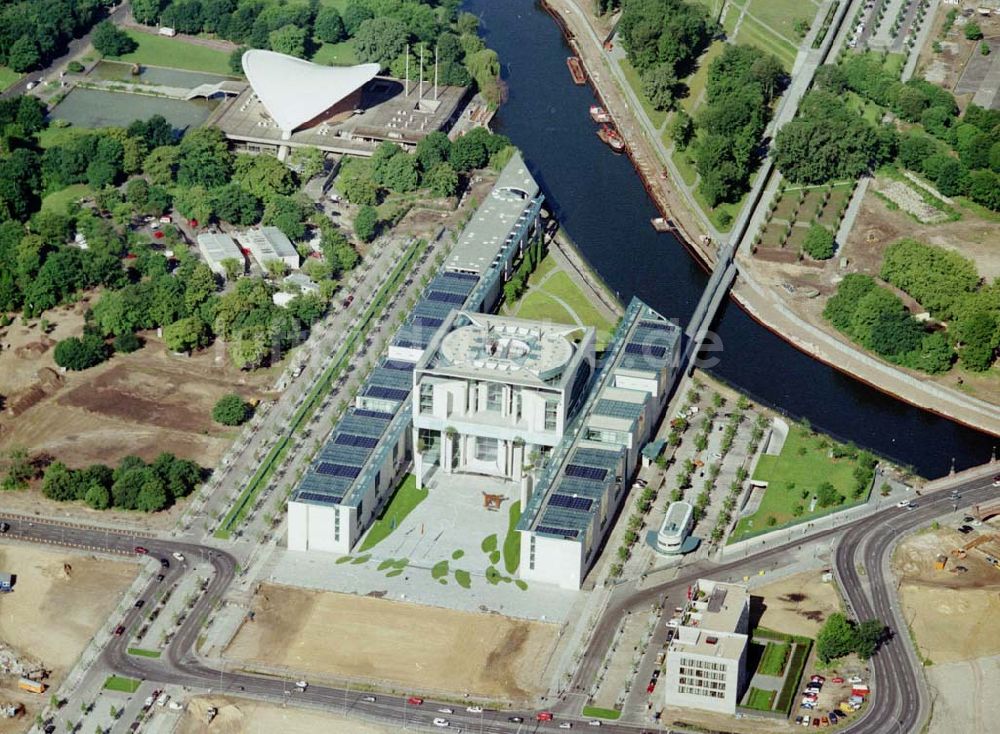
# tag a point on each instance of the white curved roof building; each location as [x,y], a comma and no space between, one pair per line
[295,92]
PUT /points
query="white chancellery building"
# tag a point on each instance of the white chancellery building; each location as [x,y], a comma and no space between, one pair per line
[706,660]
[460,390]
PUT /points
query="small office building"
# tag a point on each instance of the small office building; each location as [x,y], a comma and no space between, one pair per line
[269,243]
[216,247]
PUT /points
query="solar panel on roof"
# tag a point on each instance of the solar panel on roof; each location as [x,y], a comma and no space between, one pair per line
[426,321]
[338,470]
[586,472]
[408,344]
[561,532]
[461,276]
[321,498]
[447,297]
[362,413]
[396,364]
[349,439]
[389,393]
[570,502]
[633,348]
[658,325]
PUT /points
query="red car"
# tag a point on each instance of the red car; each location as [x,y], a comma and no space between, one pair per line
[415,701]
[119,630]
[140,550]
[543,716]
[651,686]
[838,679]
[818,679]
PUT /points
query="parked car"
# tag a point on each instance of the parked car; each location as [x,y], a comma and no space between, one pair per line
[854,679]
[838,679]
[833,717]
[566,725]
[140,550]
[965,529]
[178,556]
[160,577]
[164,563]
[817,679]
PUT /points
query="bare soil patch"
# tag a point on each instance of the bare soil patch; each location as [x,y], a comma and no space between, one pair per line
[797,605]
[380,641]
[952,614]
[237,716]
[53,613]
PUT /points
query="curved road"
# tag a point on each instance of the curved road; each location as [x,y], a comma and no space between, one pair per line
[898,703]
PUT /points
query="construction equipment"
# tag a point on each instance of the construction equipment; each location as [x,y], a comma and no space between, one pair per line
[940,562]
[962,552]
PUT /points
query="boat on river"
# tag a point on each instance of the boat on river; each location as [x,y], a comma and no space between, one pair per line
[599,114]
[612,138]
[576,69]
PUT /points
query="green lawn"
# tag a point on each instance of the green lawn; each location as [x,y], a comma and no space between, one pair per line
[7,77]
[782,14]
[143,653]
[406,498]
[685,166]
[760,700]
[57,201]
[894,64]
[565,288]
[714,214]
[175,53]
[773,660]
[512,541]
[599,713]
[696,82]
[54,135]
[753,33]
[804,464]
[656,116]
[125,685]
[336,54]
[537,305]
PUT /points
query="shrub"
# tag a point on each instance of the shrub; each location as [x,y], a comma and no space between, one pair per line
[231,410]
[819,243]
[79,354]
[127,343]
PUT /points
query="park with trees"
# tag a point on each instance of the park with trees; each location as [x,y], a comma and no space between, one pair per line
[34,32]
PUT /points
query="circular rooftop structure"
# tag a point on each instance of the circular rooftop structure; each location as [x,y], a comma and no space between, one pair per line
[294,91]
[508,349]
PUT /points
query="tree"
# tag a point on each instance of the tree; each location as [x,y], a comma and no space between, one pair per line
[470,151]
[836,639]
[98,497]
[978,336]
[146,11]
[127,343]
[231,410]
[289,40]
[973,32]
[185,335]
[204,158]
[401,174]
[869,635]
[436,148]
[19,469]
[442,180]
[659,85]
[366,223]
[152,495]
[233,203]
[287,214]
[23,55]
[681,129]
[110,40]
[355,13]
[234,267]
[329,26]
[826,495]
[357,183]
[658,31]
[161,164]
[80,353]
[309,161]
[200,285]
[264,176]
[195,202]
[819,242]
[380,40]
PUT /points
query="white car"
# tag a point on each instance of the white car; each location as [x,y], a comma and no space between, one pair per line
[178,557]
[854,679]
[301,685]
[903,503]
[441,722]
[368,699]
[445,711]
[474,709]
[593,722]
[175,705]
[566,725]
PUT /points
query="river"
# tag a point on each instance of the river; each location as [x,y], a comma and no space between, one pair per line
[599,199]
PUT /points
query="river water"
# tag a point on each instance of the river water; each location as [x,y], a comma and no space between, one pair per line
[600,200]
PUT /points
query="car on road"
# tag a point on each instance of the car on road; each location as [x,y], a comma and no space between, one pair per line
[965,529]
[996,481]
[141,551]
[178,556]
[415,701]
[446,711]
[968,519]
[515,719]
[911,506]
[593,722]
[164,563]
[160,577]
[651,686]
[544,716]
[4,527]
[903,503]
[441,722]
[368,699]
[119,630]
[140,603]
[301,685]
[474,709]
[175,705]
[566,725]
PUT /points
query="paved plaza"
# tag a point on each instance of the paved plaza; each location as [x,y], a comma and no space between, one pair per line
[448,551]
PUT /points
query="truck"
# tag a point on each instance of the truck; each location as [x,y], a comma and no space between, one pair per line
[168,31]
[31,686]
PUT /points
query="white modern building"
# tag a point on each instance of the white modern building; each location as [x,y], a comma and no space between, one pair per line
[267,244]
[492,391]
[676,526]
[706,660]
[216,247]
[572,504]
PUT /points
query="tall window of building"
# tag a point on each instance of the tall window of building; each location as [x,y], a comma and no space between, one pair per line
[551,414]
[486,449]
[494,397]
[426,397]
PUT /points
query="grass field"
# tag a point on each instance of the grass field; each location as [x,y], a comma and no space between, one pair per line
[781,15]
[54,135]
[685,166]
[143,653]
[336,54]
[657,117]
[760,700]
[773,661]
[125,685]
[57,201]
[512,541]
[599,713]
[406,498]
[174,53]
[753,33]
[804,464]
[7,77]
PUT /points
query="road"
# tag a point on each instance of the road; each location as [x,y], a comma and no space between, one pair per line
[897,685]
[75,47]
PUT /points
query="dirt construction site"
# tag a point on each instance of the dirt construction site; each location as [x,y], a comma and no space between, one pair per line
[796,605]
[235,716]
[59,602]
[395,644]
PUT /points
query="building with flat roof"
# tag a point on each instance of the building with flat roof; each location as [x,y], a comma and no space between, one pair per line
[369,450]
[267,244]
[676,526]
[216,247]
[490,391]
[570,508]
[292,103]
[706,660]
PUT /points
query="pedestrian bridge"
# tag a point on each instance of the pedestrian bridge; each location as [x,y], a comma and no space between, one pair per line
[221,89]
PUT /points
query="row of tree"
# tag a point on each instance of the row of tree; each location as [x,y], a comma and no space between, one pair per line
[33,32]
[840,636]
[949,287]
[132,485]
